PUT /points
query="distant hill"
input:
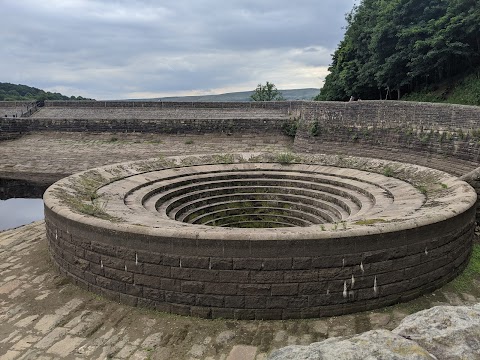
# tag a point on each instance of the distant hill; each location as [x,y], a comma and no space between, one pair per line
[12,92]
[294,94]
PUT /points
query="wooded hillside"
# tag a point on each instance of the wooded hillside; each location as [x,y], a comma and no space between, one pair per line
[393,47]
[23,92]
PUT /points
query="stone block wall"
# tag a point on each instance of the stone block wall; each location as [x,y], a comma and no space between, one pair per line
[173,126]
[255,280]
[418,128]
[15,109]
[180,104]
[394,130]
[245,121]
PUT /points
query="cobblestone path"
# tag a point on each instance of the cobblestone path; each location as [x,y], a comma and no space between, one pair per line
[43,316]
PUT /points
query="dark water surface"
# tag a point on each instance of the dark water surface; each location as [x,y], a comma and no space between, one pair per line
[20,202]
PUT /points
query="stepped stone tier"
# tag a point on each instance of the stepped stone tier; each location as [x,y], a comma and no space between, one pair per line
[260,236]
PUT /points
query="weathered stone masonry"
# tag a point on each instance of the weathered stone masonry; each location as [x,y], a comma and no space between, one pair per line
[299,272]
[259,283]
[412,128]
[296,277]
[178,122]
[394,130]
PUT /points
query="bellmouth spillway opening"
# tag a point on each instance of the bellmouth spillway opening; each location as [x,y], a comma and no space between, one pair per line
[258,198]
[282,231]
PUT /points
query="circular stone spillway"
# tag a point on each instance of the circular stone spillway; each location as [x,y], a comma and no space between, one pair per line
[258,236]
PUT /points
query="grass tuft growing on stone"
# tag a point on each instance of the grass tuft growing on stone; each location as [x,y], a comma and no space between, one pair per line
[224,158]
[370,221]
[285,158]
[388,171]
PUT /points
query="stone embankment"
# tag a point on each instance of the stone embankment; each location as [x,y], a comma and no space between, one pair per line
[156,117]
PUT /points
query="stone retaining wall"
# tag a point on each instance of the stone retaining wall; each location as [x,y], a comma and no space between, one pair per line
[171,126]
[393,130]
[254,280]
[16,109]
[421,128]
[176,105]
[231,117]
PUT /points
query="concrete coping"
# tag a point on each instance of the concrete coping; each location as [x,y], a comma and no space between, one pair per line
[421,196]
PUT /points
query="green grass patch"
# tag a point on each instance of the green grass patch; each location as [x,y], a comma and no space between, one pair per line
[285,158]
[464,282]
[464,89]
[290,127]
[223,158]
[422,189]
[370,221]
[388,171]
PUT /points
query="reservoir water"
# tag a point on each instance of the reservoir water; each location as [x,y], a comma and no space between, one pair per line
[20,202]
[17,212]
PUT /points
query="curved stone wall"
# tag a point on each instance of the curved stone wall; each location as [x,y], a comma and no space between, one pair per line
[394,130]
[257,236]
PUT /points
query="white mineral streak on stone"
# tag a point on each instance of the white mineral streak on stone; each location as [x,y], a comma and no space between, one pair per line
[353,280]
[101,263]
[125,267]
[361,267]
[345,289]
[136,259]
[375,288]
[426,251]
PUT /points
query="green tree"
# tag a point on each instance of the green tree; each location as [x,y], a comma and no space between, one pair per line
[399,46]
[23,92]
[267,92]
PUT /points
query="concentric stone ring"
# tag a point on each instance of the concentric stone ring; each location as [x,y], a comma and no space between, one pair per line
[258,195]
[252,236]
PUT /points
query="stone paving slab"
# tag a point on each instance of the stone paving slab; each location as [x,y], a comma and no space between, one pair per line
[43,316]
[51,156]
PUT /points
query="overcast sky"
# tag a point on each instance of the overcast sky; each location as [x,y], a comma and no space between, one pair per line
[135,49]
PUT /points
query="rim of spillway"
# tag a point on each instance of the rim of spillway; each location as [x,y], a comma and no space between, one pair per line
[119,197]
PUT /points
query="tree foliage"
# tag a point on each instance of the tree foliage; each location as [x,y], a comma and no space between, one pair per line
[267,92]
[392,47]
[23,92]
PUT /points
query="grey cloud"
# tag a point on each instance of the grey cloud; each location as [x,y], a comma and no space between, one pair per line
[104,49]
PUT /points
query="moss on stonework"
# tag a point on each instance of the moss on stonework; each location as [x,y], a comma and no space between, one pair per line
[370,221]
